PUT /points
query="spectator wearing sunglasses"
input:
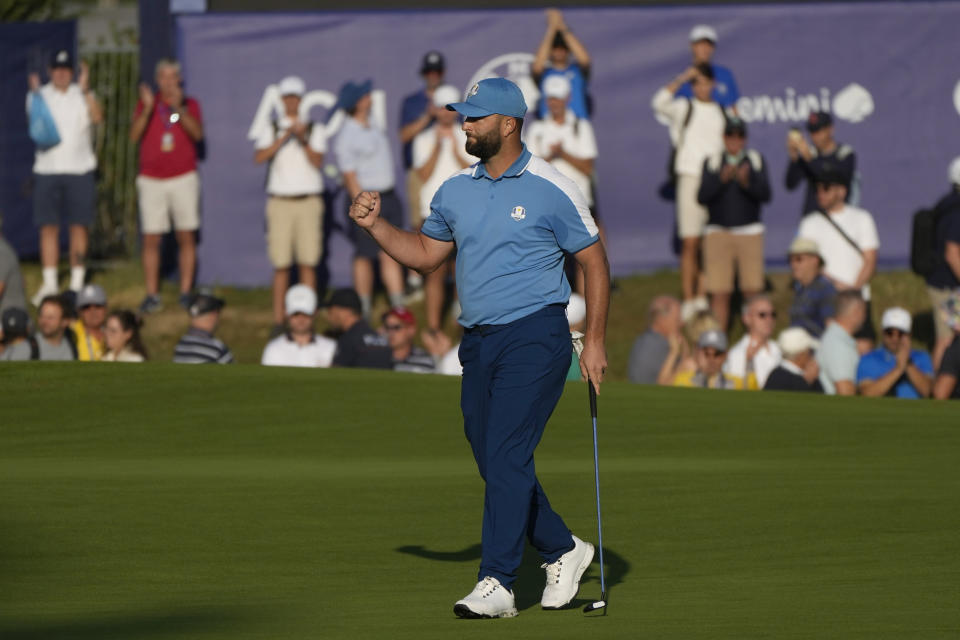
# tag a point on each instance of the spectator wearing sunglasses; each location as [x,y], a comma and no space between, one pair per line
[709,357]
[895,369]
[168,125]
[401,326]
[733,188]
[756,353]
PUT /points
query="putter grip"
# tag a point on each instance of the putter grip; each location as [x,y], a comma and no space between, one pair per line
[593,398]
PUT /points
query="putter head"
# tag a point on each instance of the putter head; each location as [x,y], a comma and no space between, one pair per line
[597,605]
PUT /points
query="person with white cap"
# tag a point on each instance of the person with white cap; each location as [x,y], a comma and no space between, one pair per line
[553,57]
[293,148]
[511,217]
[703,44]
[168,125]
[943,278]
[894,368]
[438,153]
[88,328]
[300,346]
[696,127]
[710,356]
[64,180]
[568,143]
[798,370]
[813,293]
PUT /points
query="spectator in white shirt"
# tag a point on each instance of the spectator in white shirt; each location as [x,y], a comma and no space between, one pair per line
[300,346]
[756,351]
[438,153]
[64,188]
[847,238]
[294,149]
[696,130]
[567,142]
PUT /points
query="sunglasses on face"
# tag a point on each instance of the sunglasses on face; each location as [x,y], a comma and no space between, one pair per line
[714,353]
[895,332]
[393,327]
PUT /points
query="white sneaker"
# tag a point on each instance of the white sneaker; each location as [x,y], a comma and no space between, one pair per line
[42,293]
[489,599]
[563,576]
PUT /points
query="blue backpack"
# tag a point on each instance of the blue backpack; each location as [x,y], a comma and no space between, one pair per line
[43,130]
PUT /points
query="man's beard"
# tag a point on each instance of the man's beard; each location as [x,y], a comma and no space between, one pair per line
[485,147]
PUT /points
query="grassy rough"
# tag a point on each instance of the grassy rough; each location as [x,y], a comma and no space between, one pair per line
[163,501]
[247,317]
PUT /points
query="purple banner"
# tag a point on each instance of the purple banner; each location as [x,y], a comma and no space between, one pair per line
[885,71]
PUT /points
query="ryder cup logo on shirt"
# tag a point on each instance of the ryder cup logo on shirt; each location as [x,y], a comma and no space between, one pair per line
[518,213]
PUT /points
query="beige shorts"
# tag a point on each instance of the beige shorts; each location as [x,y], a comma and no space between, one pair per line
[414,185]
[294,230]
[691,215]
[937,298]
[725,253]
[163,200]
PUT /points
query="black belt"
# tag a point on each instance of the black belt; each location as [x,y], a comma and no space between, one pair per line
[484,329]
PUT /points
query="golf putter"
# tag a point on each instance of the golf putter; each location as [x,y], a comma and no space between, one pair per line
[602,602]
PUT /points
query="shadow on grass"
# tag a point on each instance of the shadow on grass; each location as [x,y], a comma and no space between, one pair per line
[152,624]
[530,573]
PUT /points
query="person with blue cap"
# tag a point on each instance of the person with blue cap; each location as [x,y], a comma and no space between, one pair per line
[364,157]
[511,216]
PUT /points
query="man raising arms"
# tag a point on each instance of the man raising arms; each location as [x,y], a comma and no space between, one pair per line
[511,217]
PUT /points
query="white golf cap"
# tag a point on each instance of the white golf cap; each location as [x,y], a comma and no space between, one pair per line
[954,171]
[576,309]
[796,340]
[292,86]
[300,299]
[703,32]
[897,318]
[445,94]
[556,86]
[804,246]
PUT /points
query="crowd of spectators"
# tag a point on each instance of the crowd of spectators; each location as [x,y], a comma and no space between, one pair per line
[720,186]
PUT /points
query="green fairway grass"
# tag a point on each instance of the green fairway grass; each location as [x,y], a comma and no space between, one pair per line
[162,501]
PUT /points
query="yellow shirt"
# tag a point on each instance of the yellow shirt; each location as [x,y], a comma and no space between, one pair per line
[718,381]
[89,348]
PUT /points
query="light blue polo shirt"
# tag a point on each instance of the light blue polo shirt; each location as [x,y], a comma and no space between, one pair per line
[510,233]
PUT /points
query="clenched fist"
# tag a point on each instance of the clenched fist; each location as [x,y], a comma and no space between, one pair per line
[365,209]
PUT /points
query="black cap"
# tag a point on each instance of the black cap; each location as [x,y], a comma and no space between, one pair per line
[432,61]
[62,59]
[16,323]
[346,298]
[559,42]
[818,120]
[204,302]
[829,173]
[735,125]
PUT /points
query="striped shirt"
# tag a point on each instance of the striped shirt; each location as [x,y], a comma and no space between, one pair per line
[200,347]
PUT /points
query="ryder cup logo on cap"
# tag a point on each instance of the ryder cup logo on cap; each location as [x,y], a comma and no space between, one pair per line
[518,213]
[490,96]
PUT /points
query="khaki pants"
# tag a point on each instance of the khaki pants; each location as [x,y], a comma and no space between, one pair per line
[725,253]
[294,230]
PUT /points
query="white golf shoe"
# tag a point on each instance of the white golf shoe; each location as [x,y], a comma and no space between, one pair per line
[563,576]
[489,599]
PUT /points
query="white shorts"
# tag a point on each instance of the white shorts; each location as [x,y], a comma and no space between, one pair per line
[166,199]
[691,215]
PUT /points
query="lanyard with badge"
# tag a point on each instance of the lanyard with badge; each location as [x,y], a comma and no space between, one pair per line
[169,117]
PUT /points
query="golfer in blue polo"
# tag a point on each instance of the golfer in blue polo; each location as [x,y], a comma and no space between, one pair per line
[511,217]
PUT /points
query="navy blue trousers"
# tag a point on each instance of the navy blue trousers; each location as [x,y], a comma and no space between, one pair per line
[513,376]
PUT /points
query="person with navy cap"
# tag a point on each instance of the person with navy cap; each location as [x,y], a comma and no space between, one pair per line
[64,182]
[364,157]
[808,162]
[511,217]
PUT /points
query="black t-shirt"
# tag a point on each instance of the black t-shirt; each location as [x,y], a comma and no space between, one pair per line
[782,380]
[950,365]
[361,346]
[948,229]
